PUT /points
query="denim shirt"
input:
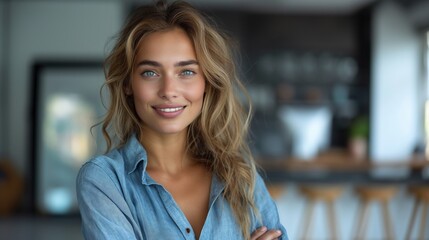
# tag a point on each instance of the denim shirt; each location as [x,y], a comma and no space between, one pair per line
[119,200]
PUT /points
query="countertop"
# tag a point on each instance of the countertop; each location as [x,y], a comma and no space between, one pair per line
[339,167]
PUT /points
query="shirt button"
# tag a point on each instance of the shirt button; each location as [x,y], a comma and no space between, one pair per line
[188,230]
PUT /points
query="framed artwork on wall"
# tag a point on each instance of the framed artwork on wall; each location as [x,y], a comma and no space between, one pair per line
[66,104]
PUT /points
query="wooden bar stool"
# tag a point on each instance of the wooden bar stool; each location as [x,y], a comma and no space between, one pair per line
[327,194]
[375,193]
[421,194]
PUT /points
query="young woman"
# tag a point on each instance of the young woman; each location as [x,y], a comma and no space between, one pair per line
[180,168]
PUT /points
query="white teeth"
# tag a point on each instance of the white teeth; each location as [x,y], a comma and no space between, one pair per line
[170,109]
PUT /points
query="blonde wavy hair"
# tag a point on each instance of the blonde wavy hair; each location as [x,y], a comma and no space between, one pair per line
[218,135]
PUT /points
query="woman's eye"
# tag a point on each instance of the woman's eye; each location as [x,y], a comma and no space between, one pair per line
[148,74]
[188,73]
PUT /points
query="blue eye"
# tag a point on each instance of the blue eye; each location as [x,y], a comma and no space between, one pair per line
[148,74]
[188,73]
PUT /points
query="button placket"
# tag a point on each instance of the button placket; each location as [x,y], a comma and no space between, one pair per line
[175,212]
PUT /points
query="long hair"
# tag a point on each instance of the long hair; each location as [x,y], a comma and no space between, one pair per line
[218,135]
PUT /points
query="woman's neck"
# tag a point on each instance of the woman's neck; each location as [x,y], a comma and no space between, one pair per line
[166,152]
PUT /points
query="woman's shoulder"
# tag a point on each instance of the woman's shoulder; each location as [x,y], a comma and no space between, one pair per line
[101,179]
[118,162]
[107,164]
[260,182]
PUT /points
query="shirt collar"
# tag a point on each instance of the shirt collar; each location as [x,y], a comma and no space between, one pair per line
[135,153]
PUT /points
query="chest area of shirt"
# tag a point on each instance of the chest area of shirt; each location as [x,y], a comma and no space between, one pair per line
[191,195]
[162,218]
[157,215]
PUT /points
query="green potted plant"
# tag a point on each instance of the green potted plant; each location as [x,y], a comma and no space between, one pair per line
[358,138]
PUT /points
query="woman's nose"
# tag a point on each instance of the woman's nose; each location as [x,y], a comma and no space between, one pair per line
[168,88]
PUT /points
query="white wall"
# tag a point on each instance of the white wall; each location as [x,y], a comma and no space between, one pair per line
[396,120]
[50,29]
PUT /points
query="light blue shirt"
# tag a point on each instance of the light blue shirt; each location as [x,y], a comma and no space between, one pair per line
[119,200]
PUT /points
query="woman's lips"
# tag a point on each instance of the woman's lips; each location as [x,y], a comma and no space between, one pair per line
[169,111]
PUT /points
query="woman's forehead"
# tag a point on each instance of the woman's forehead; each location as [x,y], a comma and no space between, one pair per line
[166,46]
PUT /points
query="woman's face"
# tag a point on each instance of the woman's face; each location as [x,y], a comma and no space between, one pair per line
[167,83]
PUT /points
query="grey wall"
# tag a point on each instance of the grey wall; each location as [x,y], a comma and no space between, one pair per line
[419,14]
[396,106]
[50,29]
[3,103]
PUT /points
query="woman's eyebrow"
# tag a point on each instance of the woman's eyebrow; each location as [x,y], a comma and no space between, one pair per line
[150,63]
[157,64]
[186,63]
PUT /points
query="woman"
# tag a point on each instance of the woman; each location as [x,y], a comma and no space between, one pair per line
[180,168]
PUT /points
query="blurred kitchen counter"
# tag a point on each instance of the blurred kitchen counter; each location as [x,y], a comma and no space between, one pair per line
[337,166]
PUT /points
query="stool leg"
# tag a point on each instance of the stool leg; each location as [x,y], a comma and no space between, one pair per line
[362,220]
[308,218]
[412,219]
[423,222]
[387,224]
[331,216]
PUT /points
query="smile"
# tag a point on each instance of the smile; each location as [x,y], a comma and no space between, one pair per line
[168,110]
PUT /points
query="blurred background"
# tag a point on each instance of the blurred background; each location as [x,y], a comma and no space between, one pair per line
[339,89]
